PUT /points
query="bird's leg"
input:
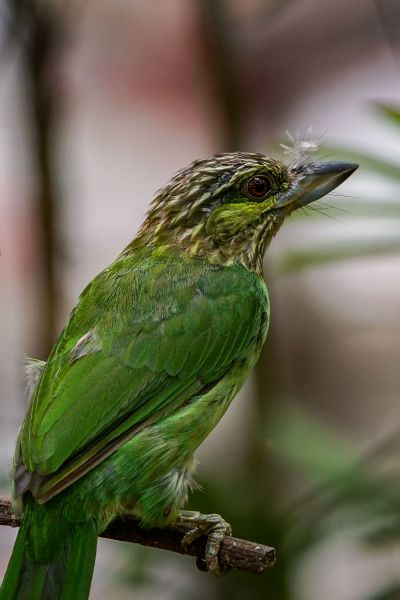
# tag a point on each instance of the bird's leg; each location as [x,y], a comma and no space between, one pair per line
[214,527]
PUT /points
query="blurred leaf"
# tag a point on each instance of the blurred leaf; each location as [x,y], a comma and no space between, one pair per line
[304,441]
[346,209]
[296,260]
[384,531]
[366,161]
[389,111]
[371,208]
[390,593]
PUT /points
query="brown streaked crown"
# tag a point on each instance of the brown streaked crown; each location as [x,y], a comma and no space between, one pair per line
[195,190]
[181,211]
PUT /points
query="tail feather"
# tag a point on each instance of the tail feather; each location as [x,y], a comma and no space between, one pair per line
[67,577]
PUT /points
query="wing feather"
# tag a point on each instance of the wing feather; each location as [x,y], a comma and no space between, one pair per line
[141,341]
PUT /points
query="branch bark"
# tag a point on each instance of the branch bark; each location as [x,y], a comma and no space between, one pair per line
[234,553]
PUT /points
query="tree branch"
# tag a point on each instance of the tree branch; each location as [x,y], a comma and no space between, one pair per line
[234,552]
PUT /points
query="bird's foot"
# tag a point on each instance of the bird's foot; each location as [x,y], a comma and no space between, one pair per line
[215,528]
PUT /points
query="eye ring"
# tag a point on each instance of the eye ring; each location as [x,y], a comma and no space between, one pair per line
[258,186]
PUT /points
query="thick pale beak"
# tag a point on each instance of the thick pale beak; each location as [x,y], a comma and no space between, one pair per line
[314,182]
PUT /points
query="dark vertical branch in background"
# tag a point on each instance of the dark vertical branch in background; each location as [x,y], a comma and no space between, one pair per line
[221,45]
[42,102]
[35,27]
[217,38]
[389,14]
[221,48]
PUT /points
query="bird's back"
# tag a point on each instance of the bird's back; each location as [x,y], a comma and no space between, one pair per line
[148,333]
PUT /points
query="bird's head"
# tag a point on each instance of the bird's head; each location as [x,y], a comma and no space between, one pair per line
[229,206]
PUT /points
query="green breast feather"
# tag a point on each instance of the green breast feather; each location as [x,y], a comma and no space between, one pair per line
[147,334]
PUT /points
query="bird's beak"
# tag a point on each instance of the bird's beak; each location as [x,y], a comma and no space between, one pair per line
[314,181]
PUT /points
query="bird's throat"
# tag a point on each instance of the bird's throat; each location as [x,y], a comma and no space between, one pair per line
[244,245]
[226,237]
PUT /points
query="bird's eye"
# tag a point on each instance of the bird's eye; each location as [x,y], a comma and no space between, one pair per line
[258,186]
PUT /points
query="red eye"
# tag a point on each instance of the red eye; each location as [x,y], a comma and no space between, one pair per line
[258,186]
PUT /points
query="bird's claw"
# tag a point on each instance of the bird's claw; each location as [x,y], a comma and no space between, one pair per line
[215,528]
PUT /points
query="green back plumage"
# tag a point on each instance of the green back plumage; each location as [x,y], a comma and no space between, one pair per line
[148,333]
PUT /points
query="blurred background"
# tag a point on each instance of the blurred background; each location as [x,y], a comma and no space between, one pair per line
[100,103]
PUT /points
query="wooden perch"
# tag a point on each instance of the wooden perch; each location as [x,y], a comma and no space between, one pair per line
[234,552]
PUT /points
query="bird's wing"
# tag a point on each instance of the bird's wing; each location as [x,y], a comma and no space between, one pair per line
[140,342]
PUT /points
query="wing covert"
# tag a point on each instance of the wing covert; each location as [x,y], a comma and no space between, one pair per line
[148,346]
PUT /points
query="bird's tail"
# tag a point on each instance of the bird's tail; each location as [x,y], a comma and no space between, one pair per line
[66,576]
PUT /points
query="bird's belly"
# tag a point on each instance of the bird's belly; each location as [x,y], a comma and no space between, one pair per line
[167,454]
[150,475]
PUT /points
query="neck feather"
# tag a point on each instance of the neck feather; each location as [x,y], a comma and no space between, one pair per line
[245,245]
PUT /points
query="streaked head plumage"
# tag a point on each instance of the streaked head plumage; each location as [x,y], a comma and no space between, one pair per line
[195,191]
[209,182]
[229,206]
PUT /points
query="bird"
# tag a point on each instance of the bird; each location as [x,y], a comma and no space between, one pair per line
[153,353]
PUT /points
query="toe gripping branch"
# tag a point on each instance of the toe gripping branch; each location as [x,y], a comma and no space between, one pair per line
[205,536]
[215,528]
